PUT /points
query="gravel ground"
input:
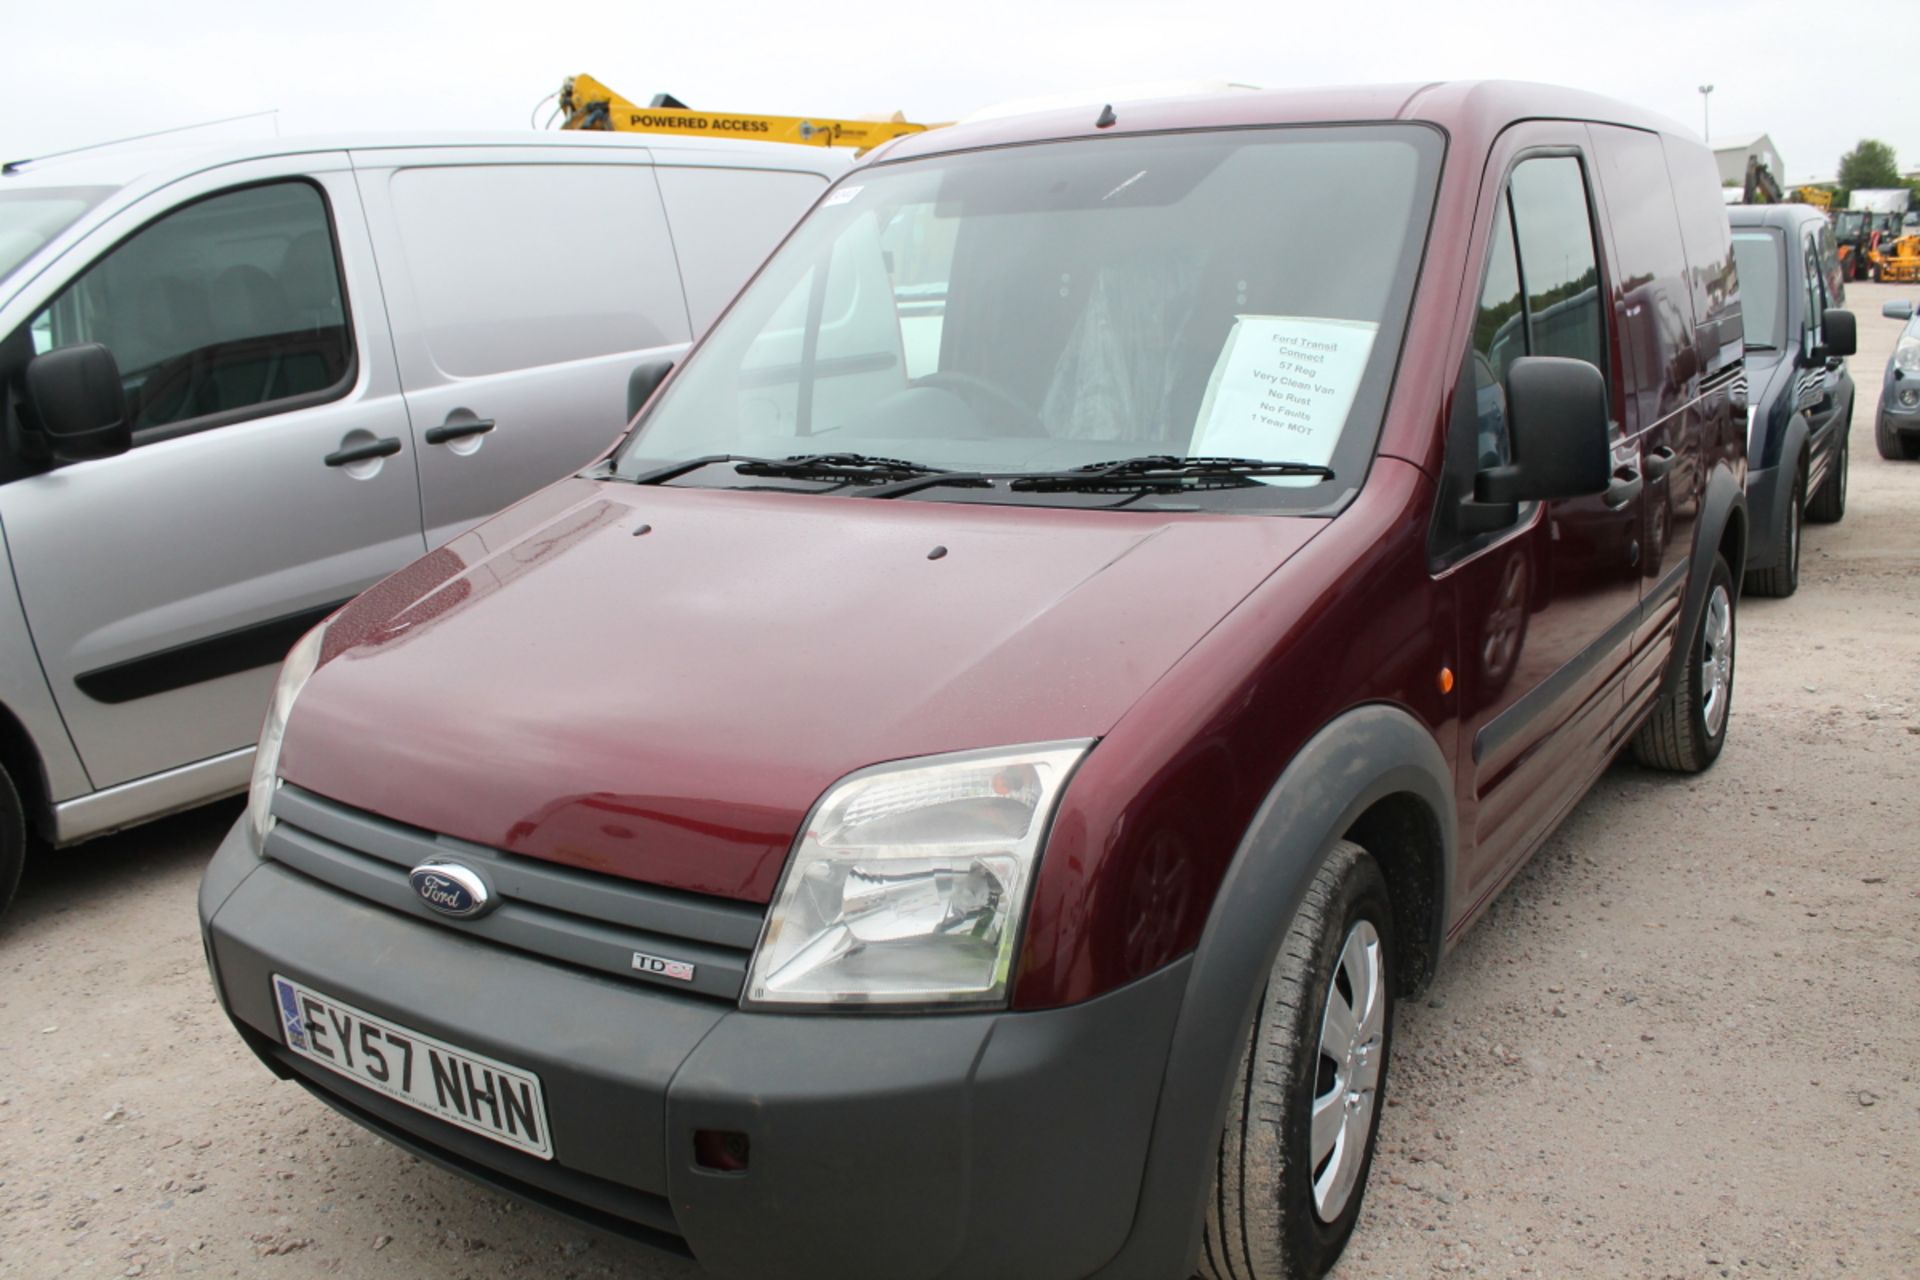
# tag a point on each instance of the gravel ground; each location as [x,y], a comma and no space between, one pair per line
[1683,1043]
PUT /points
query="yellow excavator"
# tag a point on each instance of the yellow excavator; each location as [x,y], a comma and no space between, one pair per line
[585,103]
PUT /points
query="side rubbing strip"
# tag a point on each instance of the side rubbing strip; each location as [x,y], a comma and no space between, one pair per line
[261,645]
[1549,691]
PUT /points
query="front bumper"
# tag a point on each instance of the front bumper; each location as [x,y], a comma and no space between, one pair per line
[898,1146]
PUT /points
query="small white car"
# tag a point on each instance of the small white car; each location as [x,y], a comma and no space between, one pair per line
[334,355]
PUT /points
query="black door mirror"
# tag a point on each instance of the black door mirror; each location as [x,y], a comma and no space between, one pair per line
[643,382]
[1841,333]
[82,407]
[1557,418]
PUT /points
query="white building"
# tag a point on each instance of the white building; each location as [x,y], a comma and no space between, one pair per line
[1731,155]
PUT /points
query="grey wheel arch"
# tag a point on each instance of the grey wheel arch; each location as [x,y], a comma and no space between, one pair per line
[1765,545]
[1722,527]
[1362,757]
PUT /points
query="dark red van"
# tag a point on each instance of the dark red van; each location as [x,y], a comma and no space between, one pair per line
[958,791]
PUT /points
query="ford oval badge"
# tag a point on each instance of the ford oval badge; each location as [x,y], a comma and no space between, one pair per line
[451,889]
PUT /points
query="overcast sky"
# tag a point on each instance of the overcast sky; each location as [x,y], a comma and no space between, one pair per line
[1817,78]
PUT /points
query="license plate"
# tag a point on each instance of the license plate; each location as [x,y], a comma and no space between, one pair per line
[478,1093]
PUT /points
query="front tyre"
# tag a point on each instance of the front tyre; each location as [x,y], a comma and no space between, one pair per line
[1689,722]
[1830,503]
[1301,1121]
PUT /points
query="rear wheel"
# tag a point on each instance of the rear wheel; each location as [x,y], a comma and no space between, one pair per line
[1830,503]
[1783,579]
[1689,723]
[1300,1125]
[13,839]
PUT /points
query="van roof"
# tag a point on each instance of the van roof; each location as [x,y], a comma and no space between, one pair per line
[119,165]
[1467,107]
[1786,216]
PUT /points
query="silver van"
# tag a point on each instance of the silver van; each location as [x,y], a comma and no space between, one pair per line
[334,356]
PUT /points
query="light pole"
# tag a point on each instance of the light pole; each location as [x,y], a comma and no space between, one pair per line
[1706,118]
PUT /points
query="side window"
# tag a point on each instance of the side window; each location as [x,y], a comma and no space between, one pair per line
[1542,300]
[1557,260]
[1499,334]
[1830,268]
[1816,296]
[230,304]
[507,276]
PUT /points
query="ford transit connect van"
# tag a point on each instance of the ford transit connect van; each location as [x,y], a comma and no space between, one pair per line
[242,384]
[961,789]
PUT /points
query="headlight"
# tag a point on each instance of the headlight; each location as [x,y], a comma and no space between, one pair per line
[910,881]
[1906,355]
[301,660]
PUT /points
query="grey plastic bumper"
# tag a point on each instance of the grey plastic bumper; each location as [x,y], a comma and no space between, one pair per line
[1005,1145]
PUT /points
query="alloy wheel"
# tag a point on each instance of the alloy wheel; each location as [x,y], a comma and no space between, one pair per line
[1716,660]
[1352,1035]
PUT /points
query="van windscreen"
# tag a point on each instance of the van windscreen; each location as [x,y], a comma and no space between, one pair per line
[1757,255]
[1232,293]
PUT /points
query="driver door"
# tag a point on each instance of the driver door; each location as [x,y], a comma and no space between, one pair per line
[271,476]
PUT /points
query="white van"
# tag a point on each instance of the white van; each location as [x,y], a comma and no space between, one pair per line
[334,356]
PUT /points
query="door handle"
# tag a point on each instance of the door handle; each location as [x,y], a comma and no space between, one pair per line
[1624,489]
[363,452]
[458,430]
[1658,462]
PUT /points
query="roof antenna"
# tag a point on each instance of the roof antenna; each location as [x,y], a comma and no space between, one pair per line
[1107,119]
[13,166]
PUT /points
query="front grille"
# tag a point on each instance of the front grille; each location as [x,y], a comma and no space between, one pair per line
[581,918]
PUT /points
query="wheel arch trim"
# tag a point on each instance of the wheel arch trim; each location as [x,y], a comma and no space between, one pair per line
[1723,510]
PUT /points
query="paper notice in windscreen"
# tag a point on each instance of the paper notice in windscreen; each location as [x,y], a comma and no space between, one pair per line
[1281,389]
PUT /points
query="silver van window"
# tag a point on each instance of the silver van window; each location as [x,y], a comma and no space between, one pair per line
[726,222]
[229,304]
[525,266]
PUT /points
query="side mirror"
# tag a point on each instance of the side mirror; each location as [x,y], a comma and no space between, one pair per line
[643,382]
[1897,310]
[1557,417]
[1840,331]
[82,407]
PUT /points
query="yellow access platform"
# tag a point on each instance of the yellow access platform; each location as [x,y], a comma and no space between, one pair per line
[587,104]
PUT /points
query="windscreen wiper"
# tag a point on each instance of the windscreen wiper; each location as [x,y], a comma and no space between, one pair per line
[1122,476]
[805,466]
[836,466]
[1163,472]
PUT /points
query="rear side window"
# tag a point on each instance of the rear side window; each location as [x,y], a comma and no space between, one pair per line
[1703,226]
[227,307]
[520,266]
[725,223]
